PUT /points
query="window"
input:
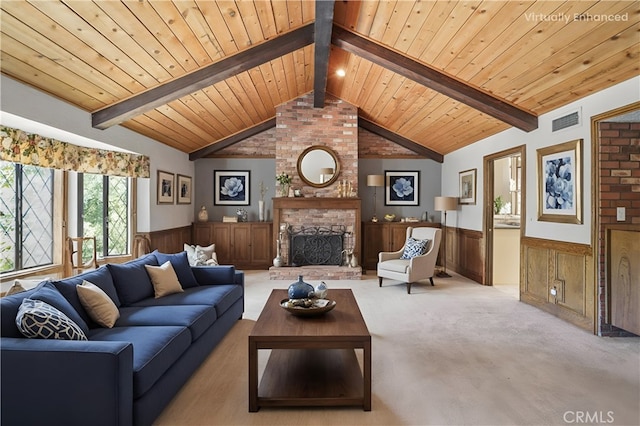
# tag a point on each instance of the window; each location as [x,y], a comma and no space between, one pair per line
[26,216]
[104,212]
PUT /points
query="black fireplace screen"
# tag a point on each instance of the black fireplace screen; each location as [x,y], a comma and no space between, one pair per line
[316,245]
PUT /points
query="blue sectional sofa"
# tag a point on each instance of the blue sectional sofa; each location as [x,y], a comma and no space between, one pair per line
[127,374]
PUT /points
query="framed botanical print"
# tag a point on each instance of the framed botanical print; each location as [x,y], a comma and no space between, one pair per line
[402,188]
[467,181]
[165,187]
[184,189]
[560,182]
[231,188]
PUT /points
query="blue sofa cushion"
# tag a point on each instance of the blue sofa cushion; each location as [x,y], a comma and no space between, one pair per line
[155,350]
[180,264]
[100,277]
[131,279]
[221,296]
[48,293]
[198,318]
[39,320]
[9,306]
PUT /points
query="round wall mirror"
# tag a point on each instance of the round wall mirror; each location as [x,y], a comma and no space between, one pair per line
[318,166]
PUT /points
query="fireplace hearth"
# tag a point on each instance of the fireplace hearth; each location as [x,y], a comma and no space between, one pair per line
[316,245]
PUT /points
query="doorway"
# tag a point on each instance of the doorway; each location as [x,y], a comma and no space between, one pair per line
[504,204]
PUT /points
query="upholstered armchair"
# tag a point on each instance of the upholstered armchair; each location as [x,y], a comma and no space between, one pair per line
[415,261]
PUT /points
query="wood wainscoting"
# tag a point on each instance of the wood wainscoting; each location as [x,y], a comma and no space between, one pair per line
[465,253]
[563,268]
[170,240]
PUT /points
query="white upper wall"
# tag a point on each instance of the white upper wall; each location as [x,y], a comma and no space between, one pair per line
[24,101]
[471,216]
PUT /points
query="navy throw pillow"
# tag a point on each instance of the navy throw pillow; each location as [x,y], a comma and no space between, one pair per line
[180,263]
[49,294]
[131,279]
[100,277]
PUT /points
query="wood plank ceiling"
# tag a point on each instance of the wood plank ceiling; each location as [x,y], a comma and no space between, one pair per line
[200,75]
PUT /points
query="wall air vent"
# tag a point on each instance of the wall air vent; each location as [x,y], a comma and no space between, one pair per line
[565,121]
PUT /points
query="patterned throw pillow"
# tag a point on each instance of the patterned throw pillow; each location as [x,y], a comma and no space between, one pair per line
[39,320]
[413,248]
[200,256]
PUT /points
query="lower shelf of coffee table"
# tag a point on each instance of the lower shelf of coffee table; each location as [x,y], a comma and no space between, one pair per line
[311,377]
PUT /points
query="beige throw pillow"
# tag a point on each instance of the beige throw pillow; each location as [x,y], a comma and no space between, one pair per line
[164,279]
[98,304]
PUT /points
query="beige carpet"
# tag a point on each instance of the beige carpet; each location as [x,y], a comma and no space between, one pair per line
[455,354]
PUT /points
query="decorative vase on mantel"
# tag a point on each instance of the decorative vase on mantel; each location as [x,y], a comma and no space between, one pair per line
[261,211]
[284,189]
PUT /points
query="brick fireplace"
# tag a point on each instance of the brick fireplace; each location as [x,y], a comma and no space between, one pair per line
[298,126]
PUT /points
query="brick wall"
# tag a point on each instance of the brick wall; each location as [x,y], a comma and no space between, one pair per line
[619,168]
[262,145]
[300,125]
[371,145]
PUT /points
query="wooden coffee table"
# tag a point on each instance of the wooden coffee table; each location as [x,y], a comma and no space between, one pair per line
[313,360]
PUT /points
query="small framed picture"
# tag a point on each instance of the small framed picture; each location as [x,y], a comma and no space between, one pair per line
[165,187]
[231,188]
[402,188]
[184,189]
[467,180]
[560,182]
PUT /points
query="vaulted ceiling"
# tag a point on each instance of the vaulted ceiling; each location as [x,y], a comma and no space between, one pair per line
[433,75]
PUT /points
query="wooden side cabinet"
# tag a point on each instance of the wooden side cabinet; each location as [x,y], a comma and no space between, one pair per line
[247,245]
[385,236]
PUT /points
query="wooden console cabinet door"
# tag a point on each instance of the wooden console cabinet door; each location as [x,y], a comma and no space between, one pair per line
[398,235]
[261,244]
[240,244]
[202,234]
[222,239]
[374,240]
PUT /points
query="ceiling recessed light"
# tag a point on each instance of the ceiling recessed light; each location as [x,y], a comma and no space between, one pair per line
[341,72]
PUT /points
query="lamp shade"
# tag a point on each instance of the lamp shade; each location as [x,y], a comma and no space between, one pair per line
[443,204]
[375,180]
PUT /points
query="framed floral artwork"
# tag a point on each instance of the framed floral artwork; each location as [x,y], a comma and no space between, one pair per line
[231,188]
[402,188]
[184,189]
[560,182]
[467,181]
[166,187]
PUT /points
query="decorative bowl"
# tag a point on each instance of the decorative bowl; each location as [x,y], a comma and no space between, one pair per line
[318,307]
[389,217]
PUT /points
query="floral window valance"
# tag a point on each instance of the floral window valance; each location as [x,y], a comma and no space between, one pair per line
[27,148]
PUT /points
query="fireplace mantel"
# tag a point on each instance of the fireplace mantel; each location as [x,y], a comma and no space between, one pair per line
[347,203]
[319,203]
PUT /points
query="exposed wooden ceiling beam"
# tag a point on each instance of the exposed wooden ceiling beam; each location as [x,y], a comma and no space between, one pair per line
[400,140]
[323,27]
[203,77]
[434,79]
[235,138]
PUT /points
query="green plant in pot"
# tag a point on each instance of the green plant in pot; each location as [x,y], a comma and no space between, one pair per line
[498,203]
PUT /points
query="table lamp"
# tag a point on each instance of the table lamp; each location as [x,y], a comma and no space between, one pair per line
[375,181]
